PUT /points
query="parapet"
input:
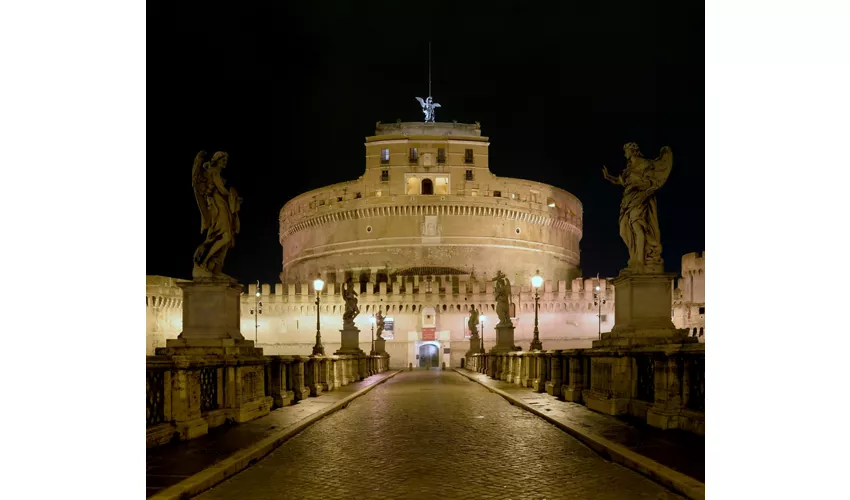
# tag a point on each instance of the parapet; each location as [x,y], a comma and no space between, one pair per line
[425,128]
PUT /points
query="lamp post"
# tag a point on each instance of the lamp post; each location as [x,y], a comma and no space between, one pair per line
[318,349]
[481,324]
[257,310]
[372,320]
[597,301]
[536,283]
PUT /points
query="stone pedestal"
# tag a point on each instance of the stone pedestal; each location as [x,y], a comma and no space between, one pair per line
[504,340]
[642,312]
[211,309]
[380,346]
[474,345]
[350,336]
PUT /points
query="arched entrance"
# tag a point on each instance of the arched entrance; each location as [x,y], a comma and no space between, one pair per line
[429,356]
[427,186]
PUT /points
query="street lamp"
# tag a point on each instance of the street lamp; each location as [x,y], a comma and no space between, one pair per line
[318,349]
[536,283]
[481,324]
[597,301]
[257,310]
[372,320]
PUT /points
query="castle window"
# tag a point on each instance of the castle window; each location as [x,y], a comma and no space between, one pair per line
[427,186]
[469,176]
[702,310]
[533,196]
[385,156]
[497,194]
[414,155]
[339,198]
[473,192]
[441,155]
[467,157]
[385,175]
[357,195]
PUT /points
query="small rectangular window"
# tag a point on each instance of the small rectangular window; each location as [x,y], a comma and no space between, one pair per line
[414,155]
[385,156]
[473,192]
[702,310]
[469,176]
[357,195]
[497,194]
[467,157]
[441,155]
[385,175]
[339,198]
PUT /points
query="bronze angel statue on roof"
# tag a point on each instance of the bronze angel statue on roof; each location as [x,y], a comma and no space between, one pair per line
[429,108]
[641,178]
[219,214]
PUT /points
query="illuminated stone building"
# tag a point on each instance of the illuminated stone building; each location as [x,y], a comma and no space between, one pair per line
[422,232]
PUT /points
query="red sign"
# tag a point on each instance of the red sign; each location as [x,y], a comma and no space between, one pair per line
[429,334]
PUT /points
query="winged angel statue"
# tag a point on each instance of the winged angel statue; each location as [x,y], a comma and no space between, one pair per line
[219,214]
[428,107]
[641,178]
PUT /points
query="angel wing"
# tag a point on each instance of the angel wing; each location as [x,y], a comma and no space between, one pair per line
[421,101]
[199,185]
[435,105]
[661,167]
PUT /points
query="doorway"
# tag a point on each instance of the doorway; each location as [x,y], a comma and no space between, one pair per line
[428,356]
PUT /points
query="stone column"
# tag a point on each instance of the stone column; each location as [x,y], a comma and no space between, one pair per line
[313,376]
[553,385]
[664,413]
[538,384]
[298,384]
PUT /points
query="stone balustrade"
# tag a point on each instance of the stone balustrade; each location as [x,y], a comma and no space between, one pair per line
[664,384]
[185,399]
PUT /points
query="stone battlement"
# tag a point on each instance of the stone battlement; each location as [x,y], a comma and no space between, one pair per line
[426,128]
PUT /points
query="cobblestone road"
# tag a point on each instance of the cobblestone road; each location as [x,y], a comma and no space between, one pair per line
[434,434]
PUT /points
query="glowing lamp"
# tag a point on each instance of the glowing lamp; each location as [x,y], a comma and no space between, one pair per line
[372,319]
[482,318]
[318,284]
[597,288]
[537,280]
[258,293]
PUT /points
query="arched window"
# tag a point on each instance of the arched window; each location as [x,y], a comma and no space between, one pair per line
[427,186]
[701,333]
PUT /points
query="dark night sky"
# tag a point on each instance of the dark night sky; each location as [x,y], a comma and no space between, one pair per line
[290,92]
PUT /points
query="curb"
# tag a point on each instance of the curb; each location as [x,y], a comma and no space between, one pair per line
[615,452]
[242,459]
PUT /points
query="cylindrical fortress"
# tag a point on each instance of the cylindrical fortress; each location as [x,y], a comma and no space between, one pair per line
[429,205]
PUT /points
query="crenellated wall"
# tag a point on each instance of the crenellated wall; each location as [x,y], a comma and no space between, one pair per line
[163,311]
[567,315]
[689,295]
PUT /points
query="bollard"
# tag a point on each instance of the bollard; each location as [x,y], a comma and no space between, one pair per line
[410,367]
[444,366]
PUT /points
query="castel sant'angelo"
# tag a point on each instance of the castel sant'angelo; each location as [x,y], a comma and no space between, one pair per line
[423,232]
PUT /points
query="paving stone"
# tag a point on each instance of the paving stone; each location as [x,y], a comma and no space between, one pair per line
[434,434]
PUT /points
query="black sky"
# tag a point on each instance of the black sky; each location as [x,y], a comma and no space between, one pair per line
[291,89]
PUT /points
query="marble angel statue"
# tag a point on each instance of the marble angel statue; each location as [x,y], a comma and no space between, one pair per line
[641,178]
[219,208]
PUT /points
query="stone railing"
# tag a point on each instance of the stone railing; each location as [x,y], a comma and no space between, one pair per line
[184,400]
[665,385]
